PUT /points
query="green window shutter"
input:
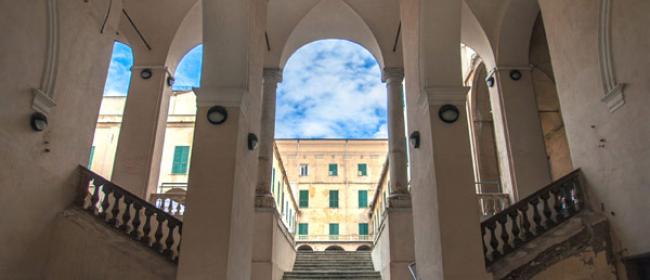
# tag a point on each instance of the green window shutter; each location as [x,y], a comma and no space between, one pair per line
[363,229]
[303,229]
[334,229]
[92,155]
[273,180]
[304,198]
[363,199]
[362,169]
[181,157]
[333,169]
[334,199]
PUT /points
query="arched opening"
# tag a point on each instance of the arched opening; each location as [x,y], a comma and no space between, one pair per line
[305,248]
[331,89]
[331,127]
[364,248]
[179,133]
[116,88]
[334,248]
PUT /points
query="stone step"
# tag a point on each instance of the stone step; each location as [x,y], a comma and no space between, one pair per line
[332,275]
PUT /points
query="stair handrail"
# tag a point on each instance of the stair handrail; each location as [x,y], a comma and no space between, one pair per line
[520,223]
[125,211]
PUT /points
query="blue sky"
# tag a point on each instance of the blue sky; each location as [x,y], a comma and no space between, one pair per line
[330,89]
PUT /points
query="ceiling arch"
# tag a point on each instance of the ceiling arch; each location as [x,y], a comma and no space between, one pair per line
[331,19]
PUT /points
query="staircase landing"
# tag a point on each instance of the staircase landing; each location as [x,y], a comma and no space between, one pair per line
[333,265]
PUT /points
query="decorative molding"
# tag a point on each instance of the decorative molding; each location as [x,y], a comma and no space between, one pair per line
[227,97]
[392,74]
[44,96]
[491,73]
[439,95]
[614,97]
[42,102]
[272,75]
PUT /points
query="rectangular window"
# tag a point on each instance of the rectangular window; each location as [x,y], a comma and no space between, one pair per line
[363,199]
[92,155]
[363,229]
[180,162]
[333,169]
[334,199]
[273,180]
[304,198]
[303,229]
[334,231]
[362,169]
[304,169]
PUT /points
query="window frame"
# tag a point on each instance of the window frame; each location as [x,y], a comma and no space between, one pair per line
[181,164]
[334,203]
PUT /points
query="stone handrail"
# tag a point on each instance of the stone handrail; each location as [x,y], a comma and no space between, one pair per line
[130,214]
[532,216]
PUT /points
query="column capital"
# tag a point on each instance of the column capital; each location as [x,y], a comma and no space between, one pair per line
[224,96]
[392,74]
[438,95]
[273,75]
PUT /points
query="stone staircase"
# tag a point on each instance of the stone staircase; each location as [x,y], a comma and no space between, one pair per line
[333,265]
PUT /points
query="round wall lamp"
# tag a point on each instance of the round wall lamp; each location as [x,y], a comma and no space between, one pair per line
[490,81]
[38,121]
[252,141]
[448,113]
[414,138]
[217,115]
[170,81]
[515,75]
[146,74]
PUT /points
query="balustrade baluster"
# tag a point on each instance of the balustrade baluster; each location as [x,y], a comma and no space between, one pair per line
[525,222]
[135,233]
[169,242]
[483,242]
[537,219]
[516,240]
[559,215]
[146,229]
[126,218]
[494,243]
[115,211]
[180,240]
[571,205]
[157,244]
[94,199]
[107,190]
[547,210]
[505,237]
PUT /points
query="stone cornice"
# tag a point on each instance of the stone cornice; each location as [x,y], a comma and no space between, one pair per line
[392,74]
[439,95]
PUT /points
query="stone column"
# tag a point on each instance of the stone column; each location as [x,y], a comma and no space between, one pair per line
[399,196]
[263,196]
[518,131]
[140,144]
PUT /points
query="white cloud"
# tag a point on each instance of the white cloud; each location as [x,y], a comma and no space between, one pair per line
[331,89]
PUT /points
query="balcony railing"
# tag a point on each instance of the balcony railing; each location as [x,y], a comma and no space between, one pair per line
[532,216]
[173,204]
[130,214]
[492,203]
[347,237]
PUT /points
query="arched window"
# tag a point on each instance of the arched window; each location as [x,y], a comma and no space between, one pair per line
[334,248]
[364,248]
[305,248]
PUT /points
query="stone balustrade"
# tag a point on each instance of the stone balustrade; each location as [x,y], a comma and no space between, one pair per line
[130,214]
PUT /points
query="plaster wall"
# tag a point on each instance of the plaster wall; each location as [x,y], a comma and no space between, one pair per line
[83,247]
[381,250]
[394,251]
[611,148]
[106,135]
[38,169]
[274,253]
